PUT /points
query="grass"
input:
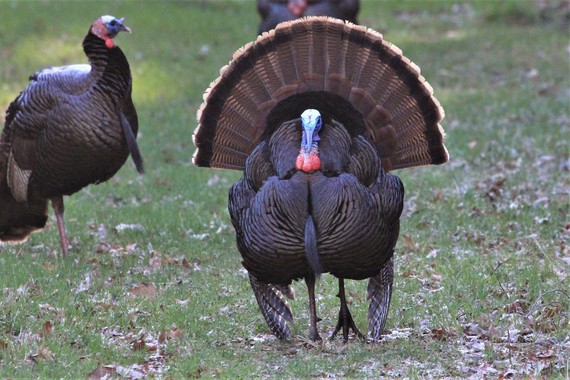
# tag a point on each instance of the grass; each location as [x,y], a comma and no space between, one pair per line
[482,262]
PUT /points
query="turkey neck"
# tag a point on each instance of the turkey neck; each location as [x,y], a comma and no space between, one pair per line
[109,66]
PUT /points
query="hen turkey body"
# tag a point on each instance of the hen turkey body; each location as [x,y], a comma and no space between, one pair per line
[71,127]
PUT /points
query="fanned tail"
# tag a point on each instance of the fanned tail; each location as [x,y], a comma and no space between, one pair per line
[348,72]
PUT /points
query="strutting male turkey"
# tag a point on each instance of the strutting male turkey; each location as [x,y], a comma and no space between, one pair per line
[316,112]
[71,127]
[273,12]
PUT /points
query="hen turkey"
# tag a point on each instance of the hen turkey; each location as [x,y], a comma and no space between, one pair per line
[316,112]
[273,12]
[71,127]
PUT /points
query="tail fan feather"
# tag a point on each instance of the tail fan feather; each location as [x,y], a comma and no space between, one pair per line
[274,306]
[348,72]
[19,219]
[379,294]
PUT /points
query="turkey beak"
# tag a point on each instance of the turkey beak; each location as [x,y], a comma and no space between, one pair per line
[123,27]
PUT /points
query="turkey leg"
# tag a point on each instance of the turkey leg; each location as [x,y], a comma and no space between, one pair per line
[57,203]
[345,320]
[313,332]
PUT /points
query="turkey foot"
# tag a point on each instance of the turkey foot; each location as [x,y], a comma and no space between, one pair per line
[345,320]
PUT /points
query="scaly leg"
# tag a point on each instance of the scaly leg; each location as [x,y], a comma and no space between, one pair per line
[345,320]
[57,203]
[313,332]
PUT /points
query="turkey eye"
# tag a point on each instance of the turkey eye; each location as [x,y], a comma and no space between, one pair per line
[113,23]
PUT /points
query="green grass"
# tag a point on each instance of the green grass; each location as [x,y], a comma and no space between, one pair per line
[482,261]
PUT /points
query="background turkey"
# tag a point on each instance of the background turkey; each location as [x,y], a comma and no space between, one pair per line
[316,196]
[273,12]
[72,126]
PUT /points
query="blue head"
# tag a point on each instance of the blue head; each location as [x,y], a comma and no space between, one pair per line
[107,28]
[312,123]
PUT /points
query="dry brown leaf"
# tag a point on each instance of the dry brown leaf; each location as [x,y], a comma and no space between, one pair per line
[552,311]
[409,242]
[438,195]
[144,290]
[441,334]
[173,333]
[407,273]
[44,353]
[518,307]
[48,266]
[472,329]
[545,354]
[139,345]
[47,328]
[102,372]
[354,295]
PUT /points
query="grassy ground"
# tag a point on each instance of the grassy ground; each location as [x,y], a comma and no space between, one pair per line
[154,284]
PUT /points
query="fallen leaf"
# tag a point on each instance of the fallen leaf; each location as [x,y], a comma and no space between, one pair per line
[182,302]
[409,242]
[552,311]
[441,334]
[436,277]
[102,372]
[47,327]
[518,307]
[545,354]
[139,345]
[144,290]
[43,353]
[407,273]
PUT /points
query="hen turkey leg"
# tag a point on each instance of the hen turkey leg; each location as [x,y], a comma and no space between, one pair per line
[345,320]
[57,203]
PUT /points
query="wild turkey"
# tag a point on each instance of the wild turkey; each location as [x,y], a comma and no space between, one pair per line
[71,127]
[273,12]
[316,112]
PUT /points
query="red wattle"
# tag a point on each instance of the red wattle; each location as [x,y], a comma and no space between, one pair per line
[299,162]
[109,43]
[314,162]
[309,164]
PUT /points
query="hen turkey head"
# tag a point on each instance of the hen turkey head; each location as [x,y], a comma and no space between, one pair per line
[107,28]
